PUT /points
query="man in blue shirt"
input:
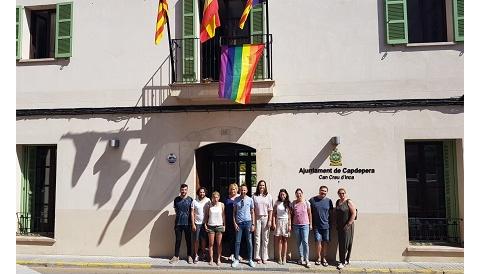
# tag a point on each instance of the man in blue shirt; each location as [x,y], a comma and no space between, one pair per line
[183,223]
[321,209]
[243,222]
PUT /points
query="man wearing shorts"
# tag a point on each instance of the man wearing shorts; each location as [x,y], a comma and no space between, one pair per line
[199,206]
[321,210]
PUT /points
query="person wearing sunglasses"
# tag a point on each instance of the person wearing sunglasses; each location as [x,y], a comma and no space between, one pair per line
[244,214]
[230,232]
[345,216]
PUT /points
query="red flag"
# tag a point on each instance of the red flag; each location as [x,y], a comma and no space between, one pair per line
[210,20]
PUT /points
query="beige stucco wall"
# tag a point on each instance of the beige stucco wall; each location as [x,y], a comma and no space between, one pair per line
[119,201]
[322,51]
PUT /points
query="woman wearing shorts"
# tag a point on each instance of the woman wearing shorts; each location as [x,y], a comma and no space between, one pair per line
[215,225]
[282,224]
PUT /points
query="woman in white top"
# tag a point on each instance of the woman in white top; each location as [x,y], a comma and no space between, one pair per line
[282,224]
[263,204]
[215,225]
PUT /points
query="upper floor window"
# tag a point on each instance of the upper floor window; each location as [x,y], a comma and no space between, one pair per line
[44,31]
[199,62]
[424,21]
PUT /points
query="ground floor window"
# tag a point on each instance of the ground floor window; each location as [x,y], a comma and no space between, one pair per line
[432,192]
[37,198]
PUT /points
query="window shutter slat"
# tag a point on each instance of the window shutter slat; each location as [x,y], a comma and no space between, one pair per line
[396,24]
[458,17]
[18,32]
[188,48]
[256,30]
[63,33]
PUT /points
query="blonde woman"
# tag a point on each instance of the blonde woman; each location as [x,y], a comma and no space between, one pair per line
[345,213]
[282,224]
[230,231]
[215,225]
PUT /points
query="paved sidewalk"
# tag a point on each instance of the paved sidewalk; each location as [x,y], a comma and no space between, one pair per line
[148,263]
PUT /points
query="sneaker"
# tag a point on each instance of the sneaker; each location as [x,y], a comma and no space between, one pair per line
[300,262]
[190,260]
[324,262]
[317,262]
[347,262]
[235,263]
[340,266]
[251,263]
[307,264]
[196,259]
[232,258]
[174,260]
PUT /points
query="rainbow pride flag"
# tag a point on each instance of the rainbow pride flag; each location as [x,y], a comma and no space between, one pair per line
[237,67]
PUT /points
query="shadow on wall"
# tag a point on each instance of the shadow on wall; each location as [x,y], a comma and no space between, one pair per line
[158,134]
[322,155]
[160,243]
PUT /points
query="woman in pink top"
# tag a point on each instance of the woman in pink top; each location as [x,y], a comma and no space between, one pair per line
[263,204]
[302,224]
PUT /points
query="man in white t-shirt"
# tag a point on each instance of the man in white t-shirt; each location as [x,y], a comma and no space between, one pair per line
[197,215]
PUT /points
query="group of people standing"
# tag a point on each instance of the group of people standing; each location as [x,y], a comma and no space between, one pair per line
[240,215]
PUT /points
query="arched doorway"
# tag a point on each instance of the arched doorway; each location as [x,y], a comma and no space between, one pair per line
[221,164]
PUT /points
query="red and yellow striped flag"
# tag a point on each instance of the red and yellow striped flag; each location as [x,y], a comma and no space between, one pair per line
[246,11]
[210,20]
[161,19]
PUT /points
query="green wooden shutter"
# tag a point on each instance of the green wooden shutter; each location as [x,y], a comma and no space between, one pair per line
[19,32]
[256,30]
[64,26]
[29,173]
[189,42]
[396,24]
[458,19]
[451,186]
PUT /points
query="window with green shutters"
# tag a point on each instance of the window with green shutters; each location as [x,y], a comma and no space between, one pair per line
[37,200]
[423,21]
[19,32]
[189,53]
[64,25]
[49,31]
[458,19]
[256,30]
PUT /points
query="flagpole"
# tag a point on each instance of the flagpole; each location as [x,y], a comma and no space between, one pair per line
[269,59]
[171,50]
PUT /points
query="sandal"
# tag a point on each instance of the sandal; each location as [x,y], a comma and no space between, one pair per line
[317,262]
[324,262]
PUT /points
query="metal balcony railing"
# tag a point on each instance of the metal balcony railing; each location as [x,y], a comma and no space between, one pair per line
[195,62]
[435,230]
[36,226]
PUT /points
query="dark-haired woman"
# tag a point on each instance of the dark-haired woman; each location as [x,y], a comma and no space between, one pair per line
[302,224]
[345,214]
[282,224]
[263,204]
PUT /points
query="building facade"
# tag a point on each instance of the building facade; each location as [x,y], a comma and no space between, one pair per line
[365,95]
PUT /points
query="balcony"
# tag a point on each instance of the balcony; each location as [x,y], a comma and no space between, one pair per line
[197,69]
[437,231]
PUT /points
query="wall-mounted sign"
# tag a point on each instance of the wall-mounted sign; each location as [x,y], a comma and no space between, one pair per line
[337,173]
[335,158]
[171,158]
